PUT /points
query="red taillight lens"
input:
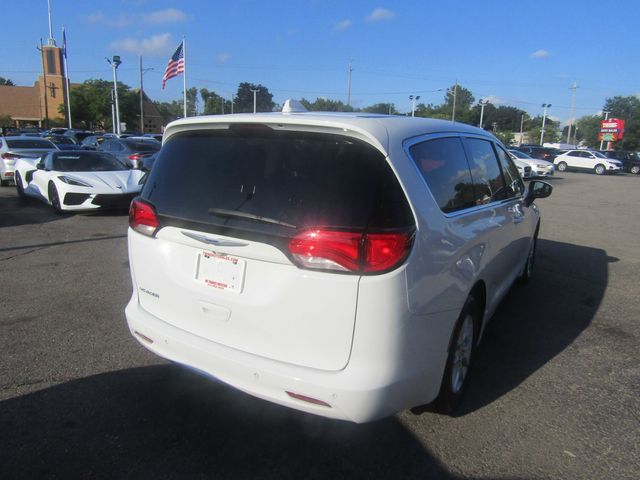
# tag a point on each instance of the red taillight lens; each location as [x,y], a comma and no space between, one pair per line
[135,156]
[9,155]
[350,251]
[327,249]
[143,218]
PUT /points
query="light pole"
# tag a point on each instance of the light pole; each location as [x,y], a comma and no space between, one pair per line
[482,105]
[544,119]
[254,99]
[606,117]
[414,99]
[142,72]
[115,63]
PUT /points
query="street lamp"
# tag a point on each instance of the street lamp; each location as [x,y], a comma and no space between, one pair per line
[115,63]
[414,99]
[254,99]
[544,119]
[482,105]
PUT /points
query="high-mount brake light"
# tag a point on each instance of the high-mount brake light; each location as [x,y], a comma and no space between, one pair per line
[354,252]
[143,218]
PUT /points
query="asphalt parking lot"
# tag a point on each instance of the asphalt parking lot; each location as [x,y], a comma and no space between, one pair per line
[555,392]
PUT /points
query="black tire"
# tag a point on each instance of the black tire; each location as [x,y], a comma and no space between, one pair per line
[461,351]
[635,169]
[54,198]
[19,186]
[599,169]
[562,167]
[527,271]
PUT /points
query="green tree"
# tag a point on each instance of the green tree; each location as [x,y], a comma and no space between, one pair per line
[213,103]
[6,82]
[627,109]
[244,98]
[326,105]
[463,100]
[383,108]
[533,127]
[91,104]
[587,130]
[170,110]
[192,101]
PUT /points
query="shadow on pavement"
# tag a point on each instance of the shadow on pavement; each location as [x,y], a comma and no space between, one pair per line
[166,422]
[537,321]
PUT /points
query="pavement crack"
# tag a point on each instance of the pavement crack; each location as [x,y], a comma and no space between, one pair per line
[21,254]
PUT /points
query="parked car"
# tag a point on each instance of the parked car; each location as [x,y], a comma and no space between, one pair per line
[14,147]
[130,150]
[155,136]
[78,135]
[79,180]
[523,169]
[541,153]
[539,168]
[588,160]
[340,264]
[63,142]
[630,160]
[92,142]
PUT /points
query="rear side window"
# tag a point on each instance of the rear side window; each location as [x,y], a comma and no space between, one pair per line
[487,177]
[29,143]
[272,182]
[443,164]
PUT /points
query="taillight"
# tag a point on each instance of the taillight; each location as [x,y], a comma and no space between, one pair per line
[134,157]
[143,218]
[354,252]
[10,156]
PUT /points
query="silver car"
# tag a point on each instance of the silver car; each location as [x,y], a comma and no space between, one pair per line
[14,147]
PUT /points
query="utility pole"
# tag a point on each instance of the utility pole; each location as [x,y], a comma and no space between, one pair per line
[44,79]
[254,99]
[521,129]
[222,105]
[544,118]
[482,105]
[232,102]
[606,117]
[141,99]
[349,84]
[115,63]
[573,107]
[414,99]
[455,94]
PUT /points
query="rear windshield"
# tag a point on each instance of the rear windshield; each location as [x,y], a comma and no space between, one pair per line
[28,143]
[292,179]
[144,146]
[86,162]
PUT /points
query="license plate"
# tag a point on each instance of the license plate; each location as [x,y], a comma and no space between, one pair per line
[220,271]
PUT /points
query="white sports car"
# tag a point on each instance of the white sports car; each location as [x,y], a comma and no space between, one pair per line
[78,180]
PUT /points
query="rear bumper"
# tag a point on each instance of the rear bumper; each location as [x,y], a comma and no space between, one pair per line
[361,392]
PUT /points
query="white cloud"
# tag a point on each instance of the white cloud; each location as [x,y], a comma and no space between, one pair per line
[380,15]
[223,57]
[119,21]
[156,45]
[170,15]
[540,54]
[342,25]
[494,99]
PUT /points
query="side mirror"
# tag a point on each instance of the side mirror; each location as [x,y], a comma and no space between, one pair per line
[537,189]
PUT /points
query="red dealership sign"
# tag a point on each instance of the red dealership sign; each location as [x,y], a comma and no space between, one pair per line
[611,130]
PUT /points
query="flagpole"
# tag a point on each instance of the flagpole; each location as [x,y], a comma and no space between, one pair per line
[184,53]
[66,74]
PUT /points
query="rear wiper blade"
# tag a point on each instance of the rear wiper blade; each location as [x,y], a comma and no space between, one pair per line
[220,212]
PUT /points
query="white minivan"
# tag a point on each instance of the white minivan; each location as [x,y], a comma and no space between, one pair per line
[344,265]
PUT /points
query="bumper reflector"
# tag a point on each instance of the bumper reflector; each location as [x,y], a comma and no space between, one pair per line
[143,337]
[304,398]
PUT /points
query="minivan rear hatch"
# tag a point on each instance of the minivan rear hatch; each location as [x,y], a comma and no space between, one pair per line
[229,203]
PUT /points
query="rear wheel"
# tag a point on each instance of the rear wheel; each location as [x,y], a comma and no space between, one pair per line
[19,185]
[54,198]
[562,166]
[527,272]
[599,169]
[635,169]
[461,352]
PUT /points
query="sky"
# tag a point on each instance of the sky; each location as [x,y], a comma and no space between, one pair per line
[521,54]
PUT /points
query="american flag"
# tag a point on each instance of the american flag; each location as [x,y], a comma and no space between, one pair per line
[175,66]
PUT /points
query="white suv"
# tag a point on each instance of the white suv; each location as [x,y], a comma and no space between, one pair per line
[587,160]
[340,264]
